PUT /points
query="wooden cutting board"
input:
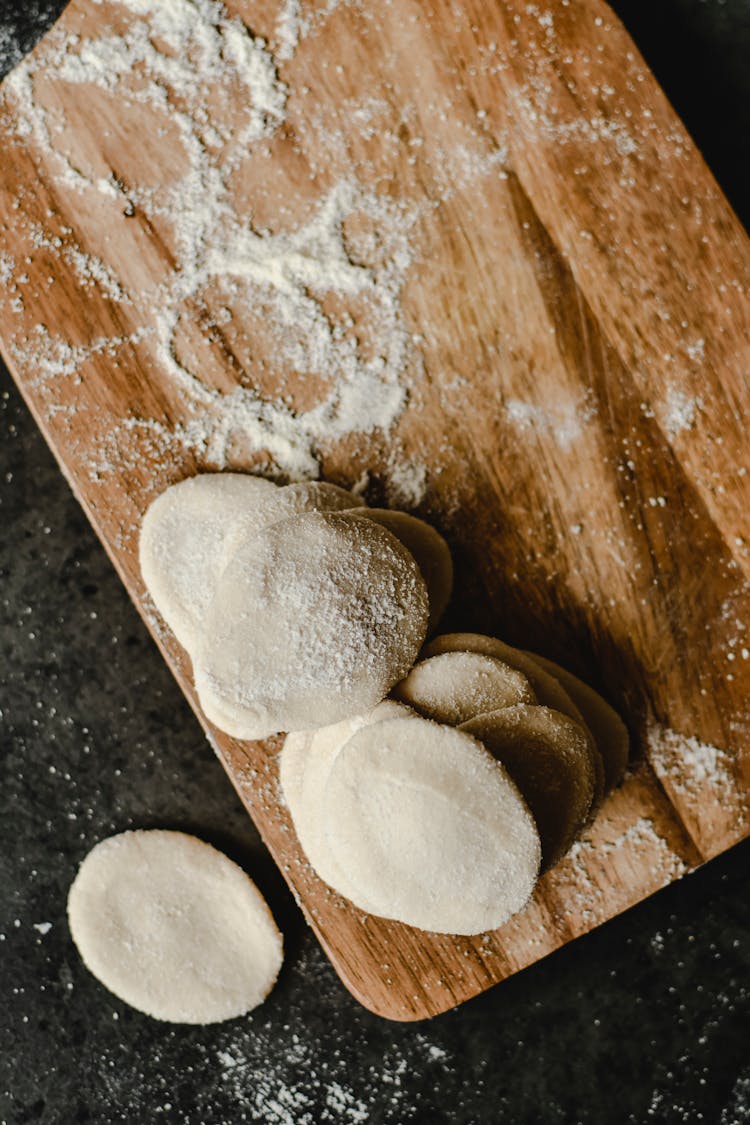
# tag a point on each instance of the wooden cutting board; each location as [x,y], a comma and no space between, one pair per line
[479,236]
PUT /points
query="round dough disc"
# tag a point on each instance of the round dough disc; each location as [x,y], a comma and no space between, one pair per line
[173,927]
[547,754]
[304,765]
[181,542]
[314,619]
[456,686]
[430,550]
[606,726]
[548,689]
[191,529]
[429,829]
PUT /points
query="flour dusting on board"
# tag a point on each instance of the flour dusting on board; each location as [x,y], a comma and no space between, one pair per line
[563,422]
[640,844]
[680,411]
[700,773]
[326,289]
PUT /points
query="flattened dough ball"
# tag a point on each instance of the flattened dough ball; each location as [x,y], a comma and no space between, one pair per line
[304,765]
[429,829]
[314,619]
[189,530]
[543,677]
[456,686]
[547,755]
[606,726]
[430,550]
[173,927]
[546,687]
[181,542]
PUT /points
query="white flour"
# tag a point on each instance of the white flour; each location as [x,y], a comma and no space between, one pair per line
[562,421]
[693,768]
[639,845]
[679,411]
[355,246]
[290,25]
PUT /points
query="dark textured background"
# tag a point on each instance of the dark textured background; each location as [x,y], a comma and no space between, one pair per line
[648,1019]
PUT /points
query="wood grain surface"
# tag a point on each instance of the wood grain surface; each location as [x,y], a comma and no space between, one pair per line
[575,347]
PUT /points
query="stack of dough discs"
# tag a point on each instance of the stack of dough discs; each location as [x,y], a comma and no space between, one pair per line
[314,619]
[547,755]
[429,829]
[544,678]
[607,728]
[304,765]
[456,686]
[185,532]
[547,689]
[173,927]
[430,550]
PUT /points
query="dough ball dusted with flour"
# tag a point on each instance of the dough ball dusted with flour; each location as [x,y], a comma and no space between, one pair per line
[191,528]
[173,927]
[181,540]
[456,686]
[304,766]
[607,728]
[430,550]
[313,620]
[428,828]
[548,756]
[559,689]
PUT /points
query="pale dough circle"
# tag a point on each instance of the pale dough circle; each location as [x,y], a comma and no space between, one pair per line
[181,541]
[547,755]
[429,829]
[304,765]
[607,728]
[430,550]
[314,619]
[543,677]
[173,927]
[192,528]
[546,687]
[456,686]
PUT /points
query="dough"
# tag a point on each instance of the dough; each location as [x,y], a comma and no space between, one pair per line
[181,541]
[607,728]
[314,619]
[304,765]
[457,686]
[547,755]
[173,927]
[543,677]
[546,687]
[430,550]
[188,530]
[429,829]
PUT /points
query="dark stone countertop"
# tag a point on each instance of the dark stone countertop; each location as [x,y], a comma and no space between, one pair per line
[647,1019]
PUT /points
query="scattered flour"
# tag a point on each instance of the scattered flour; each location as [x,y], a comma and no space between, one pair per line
[322,1092]
[7,268]
[8,50]
[737,1109]
[406,484]
[693,768]
[294,24]
[679,411]
[92,271]
[290,26]
[361,359]
[564,421]
[640,845]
